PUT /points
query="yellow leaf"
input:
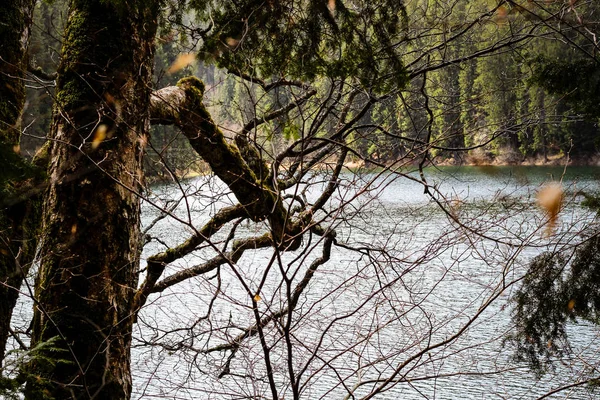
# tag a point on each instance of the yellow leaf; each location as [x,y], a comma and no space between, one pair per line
[99,135]
[571,305]
[73,229]
[182,61]
[17,149]
[257,298]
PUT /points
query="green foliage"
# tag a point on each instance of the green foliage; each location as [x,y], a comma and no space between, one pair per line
[541,312]
[373,41]
[9,388]
[291,131]
[44,50]
[170,152]
[38,362]
[577,80]
[557,289]
[43,356]
[307,39]
[569,73]
[591,201]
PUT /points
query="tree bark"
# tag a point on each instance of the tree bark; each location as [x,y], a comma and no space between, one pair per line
[89,255]
[18,216]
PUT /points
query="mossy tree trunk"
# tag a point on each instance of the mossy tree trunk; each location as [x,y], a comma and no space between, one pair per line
[18,215]
[89,255]
[239,166]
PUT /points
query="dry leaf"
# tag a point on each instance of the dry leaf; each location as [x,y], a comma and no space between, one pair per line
[231,42]
[182,61]
[257,298]
[99,135]
[501,15]
[550,198]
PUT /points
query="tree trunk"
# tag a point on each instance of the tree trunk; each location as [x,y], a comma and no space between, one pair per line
[18,217]
[89,256]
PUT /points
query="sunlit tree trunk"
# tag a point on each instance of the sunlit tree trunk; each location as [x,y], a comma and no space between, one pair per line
[89,255]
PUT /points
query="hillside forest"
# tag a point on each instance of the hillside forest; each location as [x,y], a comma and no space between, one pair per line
[513,83]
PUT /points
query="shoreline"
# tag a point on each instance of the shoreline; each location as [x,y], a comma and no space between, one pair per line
[562,161]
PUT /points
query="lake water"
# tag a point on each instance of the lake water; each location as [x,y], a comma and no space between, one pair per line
[414,302]
[411,297]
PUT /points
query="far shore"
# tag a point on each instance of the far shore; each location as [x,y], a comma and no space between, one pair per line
[469,161]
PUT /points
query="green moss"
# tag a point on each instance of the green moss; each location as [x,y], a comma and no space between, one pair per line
[42,157]
[77,48]
[192,82]
[93,43]
[72,94]
[194,90]
[79,44]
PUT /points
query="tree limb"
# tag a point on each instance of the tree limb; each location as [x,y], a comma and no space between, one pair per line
[158,262]
[230,257]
